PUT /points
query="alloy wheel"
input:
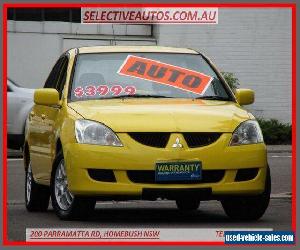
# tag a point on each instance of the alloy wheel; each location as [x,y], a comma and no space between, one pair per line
[63,196]
[28,183]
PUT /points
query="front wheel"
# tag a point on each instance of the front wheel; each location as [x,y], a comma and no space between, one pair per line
[248,207]
[66,205]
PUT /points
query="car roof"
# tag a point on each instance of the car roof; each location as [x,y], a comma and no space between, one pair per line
[159,49]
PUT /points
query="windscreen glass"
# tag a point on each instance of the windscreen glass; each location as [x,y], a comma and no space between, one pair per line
[113,75]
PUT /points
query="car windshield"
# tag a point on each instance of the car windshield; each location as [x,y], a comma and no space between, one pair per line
[146,75]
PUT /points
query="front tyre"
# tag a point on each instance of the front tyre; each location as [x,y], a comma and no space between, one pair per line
[66,205]
[248,207]
[36,195]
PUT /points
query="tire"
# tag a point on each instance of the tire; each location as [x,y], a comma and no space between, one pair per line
[187,204]
[66,205]
[36,195]
[248,208]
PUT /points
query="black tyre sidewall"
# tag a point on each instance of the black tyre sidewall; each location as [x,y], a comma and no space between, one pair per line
[39,196]
[249,207]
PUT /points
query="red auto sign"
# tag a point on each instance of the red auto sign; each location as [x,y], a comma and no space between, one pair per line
[166,74]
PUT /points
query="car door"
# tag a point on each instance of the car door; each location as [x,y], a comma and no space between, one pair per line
[40,127]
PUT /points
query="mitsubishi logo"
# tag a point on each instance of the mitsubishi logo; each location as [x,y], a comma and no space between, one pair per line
[177,143]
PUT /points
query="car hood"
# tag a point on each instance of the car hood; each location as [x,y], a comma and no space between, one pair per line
[163,115]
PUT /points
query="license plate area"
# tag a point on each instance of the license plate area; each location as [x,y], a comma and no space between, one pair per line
[178,171]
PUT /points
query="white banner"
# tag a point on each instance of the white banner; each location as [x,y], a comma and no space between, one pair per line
[131,234]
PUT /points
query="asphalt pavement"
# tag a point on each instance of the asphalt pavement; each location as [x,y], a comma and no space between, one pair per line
[148,214]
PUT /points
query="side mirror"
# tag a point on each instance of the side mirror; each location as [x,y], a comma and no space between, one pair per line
[47,96]
[244,96]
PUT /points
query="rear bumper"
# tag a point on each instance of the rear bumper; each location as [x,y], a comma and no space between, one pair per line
[217,156]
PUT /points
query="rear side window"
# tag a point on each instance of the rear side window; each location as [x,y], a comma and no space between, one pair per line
[62,76]
[53,77]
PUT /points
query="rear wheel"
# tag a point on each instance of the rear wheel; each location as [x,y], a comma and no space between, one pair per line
[66,205]
[248,207]
[36,195]
[187,204]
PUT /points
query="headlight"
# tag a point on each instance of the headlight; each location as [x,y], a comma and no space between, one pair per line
[90,132]
[247,132]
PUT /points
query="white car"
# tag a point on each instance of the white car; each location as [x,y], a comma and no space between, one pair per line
[20,102]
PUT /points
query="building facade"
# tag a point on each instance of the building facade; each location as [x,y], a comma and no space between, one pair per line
[254,44]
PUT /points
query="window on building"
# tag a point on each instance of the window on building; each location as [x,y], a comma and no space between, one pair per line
[11,14]
[28,14]
[47,14]
[76,15]
[62,15]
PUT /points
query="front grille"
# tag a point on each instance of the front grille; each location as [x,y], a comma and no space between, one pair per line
[153,139]
[199,139]
[148,176]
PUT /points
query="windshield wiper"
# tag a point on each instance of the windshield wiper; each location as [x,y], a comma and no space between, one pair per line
[137,96]
[213,97]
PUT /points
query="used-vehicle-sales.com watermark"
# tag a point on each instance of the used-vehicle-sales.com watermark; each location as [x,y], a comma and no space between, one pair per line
[150,15]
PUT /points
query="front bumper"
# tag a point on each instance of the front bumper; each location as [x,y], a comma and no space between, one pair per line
[134,156]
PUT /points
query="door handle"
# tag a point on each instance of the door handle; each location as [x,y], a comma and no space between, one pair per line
[43,116]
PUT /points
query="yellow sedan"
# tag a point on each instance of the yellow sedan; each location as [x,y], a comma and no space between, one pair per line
[142,122]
